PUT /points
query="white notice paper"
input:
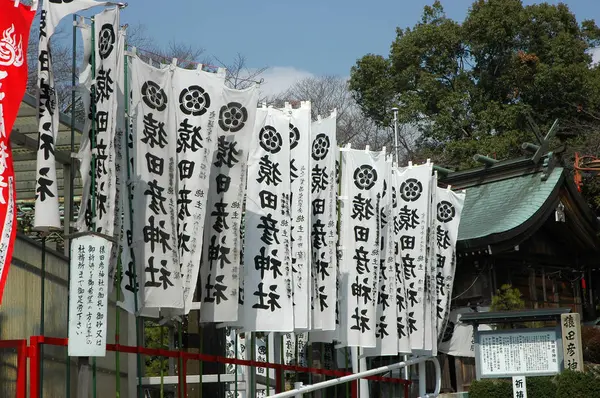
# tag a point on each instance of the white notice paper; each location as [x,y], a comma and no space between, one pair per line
[88,296]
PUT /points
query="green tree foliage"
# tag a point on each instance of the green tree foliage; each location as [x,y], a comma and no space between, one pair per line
[156,336]
[538,386]
[490,388]
[470,86]
[507,298]
[577,384]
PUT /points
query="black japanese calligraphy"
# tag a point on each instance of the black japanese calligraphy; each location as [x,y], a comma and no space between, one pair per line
[154,133]
[218,252]
[189,137]
[362,209]
[156,234]
[43,190]
[268,172]
[319,178]
[103,88]
[408,219]
[226,153]
[272,302]
[163,279]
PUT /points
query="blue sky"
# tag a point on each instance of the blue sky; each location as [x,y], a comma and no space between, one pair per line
[294,39]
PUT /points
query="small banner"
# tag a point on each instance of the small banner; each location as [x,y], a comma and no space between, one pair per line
[519,387]
[88,287]
[199,98]
[300,141]
[101,93]
[15,23]
[155,192]
[386,331]
[99,200]
[412,223]
[448,214]
[221,268]
[267,257]
[430,318]
[363,174]
[47,214]
[323,219]
[401,310]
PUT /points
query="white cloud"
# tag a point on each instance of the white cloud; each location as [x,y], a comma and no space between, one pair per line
[279,78]
[595,53]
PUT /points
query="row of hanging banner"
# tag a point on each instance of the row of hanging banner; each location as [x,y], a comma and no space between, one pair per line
[251,214]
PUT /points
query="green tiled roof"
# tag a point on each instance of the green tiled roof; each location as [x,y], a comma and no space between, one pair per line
[500,206]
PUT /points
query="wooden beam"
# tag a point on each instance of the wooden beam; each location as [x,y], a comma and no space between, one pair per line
[21,139]
[545,143]
[24,156]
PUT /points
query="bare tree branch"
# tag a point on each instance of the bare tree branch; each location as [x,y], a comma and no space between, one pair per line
[327,93]
[239,76]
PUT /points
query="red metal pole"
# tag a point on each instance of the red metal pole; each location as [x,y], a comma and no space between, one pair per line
[179,372]
[34,367]
[278,381]
[184,377]
[354,388]
[406,391]
[22,370]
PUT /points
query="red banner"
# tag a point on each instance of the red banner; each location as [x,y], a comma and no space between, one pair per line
[15,23]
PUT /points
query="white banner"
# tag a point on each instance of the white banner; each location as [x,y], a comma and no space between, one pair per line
[221,269]
[430,328]
[130,276]
[88,296]
[300,151]
[98,201]
[47,215]
[412,222]
[457,337]
[363,173]
[448,213]
[401,308]
[120,162]
[198,98]
[323,213]
[386,331]
[85,147]
[267,258]
[154,218]
[294,348]
[243,351]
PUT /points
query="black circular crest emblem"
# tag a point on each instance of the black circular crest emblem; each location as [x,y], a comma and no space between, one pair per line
[233,117]
[365,177]
[320,146]
[411,190]
[154,96]
[294,136]
[106,40]
[270,139]
[194,101]
[445,211]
